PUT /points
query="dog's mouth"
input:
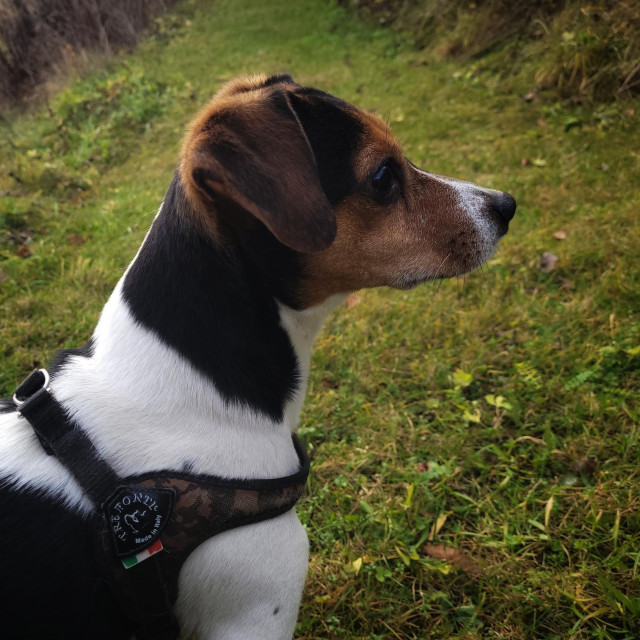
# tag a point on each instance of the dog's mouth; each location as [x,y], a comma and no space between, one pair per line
[459,261]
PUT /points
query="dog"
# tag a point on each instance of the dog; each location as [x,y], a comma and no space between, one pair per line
[285,200]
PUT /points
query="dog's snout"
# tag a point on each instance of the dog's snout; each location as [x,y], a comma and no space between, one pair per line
[505,206]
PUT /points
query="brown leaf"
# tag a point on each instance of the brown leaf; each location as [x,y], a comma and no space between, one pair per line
[525,162]
[560,235]
[529,97]
[566,284]
[542,123]
[455,557]
[352,301]
[585,465]
[548,261]
[76,239]
[329,384]
[3,277]
[23,251]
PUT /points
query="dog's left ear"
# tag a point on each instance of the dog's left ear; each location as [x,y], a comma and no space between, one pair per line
[255,154]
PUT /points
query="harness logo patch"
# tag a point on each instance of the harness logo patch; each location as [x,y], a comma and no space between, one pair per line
[136,516]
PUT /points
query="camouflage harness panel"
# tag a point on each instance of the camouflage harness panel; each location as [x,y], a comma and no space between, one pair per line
[203,507]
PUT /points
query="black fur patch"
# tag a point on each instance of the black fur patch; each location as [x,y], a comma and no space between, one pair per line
[50,585]
[276,78]
[279,78]
[61,357]
[334,133]
[215,307]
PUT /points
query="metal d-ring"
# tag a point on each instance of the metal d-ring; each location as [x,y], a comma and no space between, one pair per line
[45,385]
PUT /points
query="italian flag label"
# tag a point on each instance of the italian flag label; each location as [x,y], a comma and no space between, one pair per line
[143,555]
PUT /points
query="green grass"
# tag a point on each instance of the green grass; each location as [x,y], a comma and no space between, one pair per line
[497,414]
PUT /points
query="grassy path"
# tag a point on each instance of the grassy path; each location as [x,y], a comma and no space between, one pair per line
[476,443]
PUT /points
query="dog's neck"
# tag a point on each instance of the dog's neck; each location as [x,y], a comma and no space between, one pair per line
[192,364]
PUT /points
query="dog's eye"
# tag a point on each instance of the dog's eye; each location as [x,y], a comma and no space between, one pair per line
[383,181]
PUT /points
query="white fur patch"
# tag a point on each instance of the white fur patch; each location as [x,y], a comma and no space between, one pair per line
[302,328]
[472,200]
[246,584]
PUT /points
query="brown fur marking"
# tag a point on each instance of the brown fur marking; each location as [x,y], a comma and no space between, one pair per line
[427,232]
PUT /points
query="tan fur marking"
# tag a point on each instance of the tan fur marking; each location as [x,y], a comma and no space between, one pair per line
[246,153]
[229,96]
[424,235]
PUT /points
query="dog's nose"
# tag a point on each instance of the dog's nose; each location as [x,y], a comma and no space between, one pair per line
[505,206]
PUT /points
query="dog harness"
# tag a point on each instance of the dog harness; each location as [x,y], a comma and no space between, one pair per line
[148,524]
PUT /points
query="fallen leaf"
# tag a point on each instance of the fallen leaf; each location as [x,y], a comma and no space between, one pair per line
[548,262]
[529,97]
[539,162]
[3,277]
[462,378]
[474,417]
[329,384]
[455,557]
[352,301]
[76,239]
[525,162]
[560,235]
[585,465]
[23,251]
[566,284]
[542,123]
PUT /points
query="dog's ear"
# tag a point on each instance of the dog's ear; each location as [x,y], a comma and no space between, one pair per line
[255,154]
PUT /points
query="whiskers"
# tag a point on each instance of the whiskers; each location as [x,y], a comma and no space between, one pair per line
[439,277]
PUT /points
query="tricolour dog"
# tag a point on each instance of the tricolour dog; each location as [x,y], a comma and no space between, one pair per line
[284,201]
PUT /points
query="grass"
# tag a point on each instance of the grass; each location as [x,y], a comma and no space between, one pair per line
[587,51]
[475,443]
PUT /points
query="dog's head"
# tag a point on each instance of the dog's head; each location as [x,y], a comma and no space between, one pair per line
[333,188]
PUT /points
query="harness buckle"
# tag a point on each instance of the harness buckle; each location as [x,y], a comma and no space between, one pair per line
[31,385]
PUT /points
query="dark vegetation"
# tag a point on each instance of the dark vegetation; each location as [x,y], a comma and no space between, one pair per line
[38,37]
[577,49]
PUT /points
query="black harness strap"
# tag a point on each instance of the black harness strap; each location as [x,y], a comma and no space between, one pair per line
[66,441]
[167,510]
[63,438]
